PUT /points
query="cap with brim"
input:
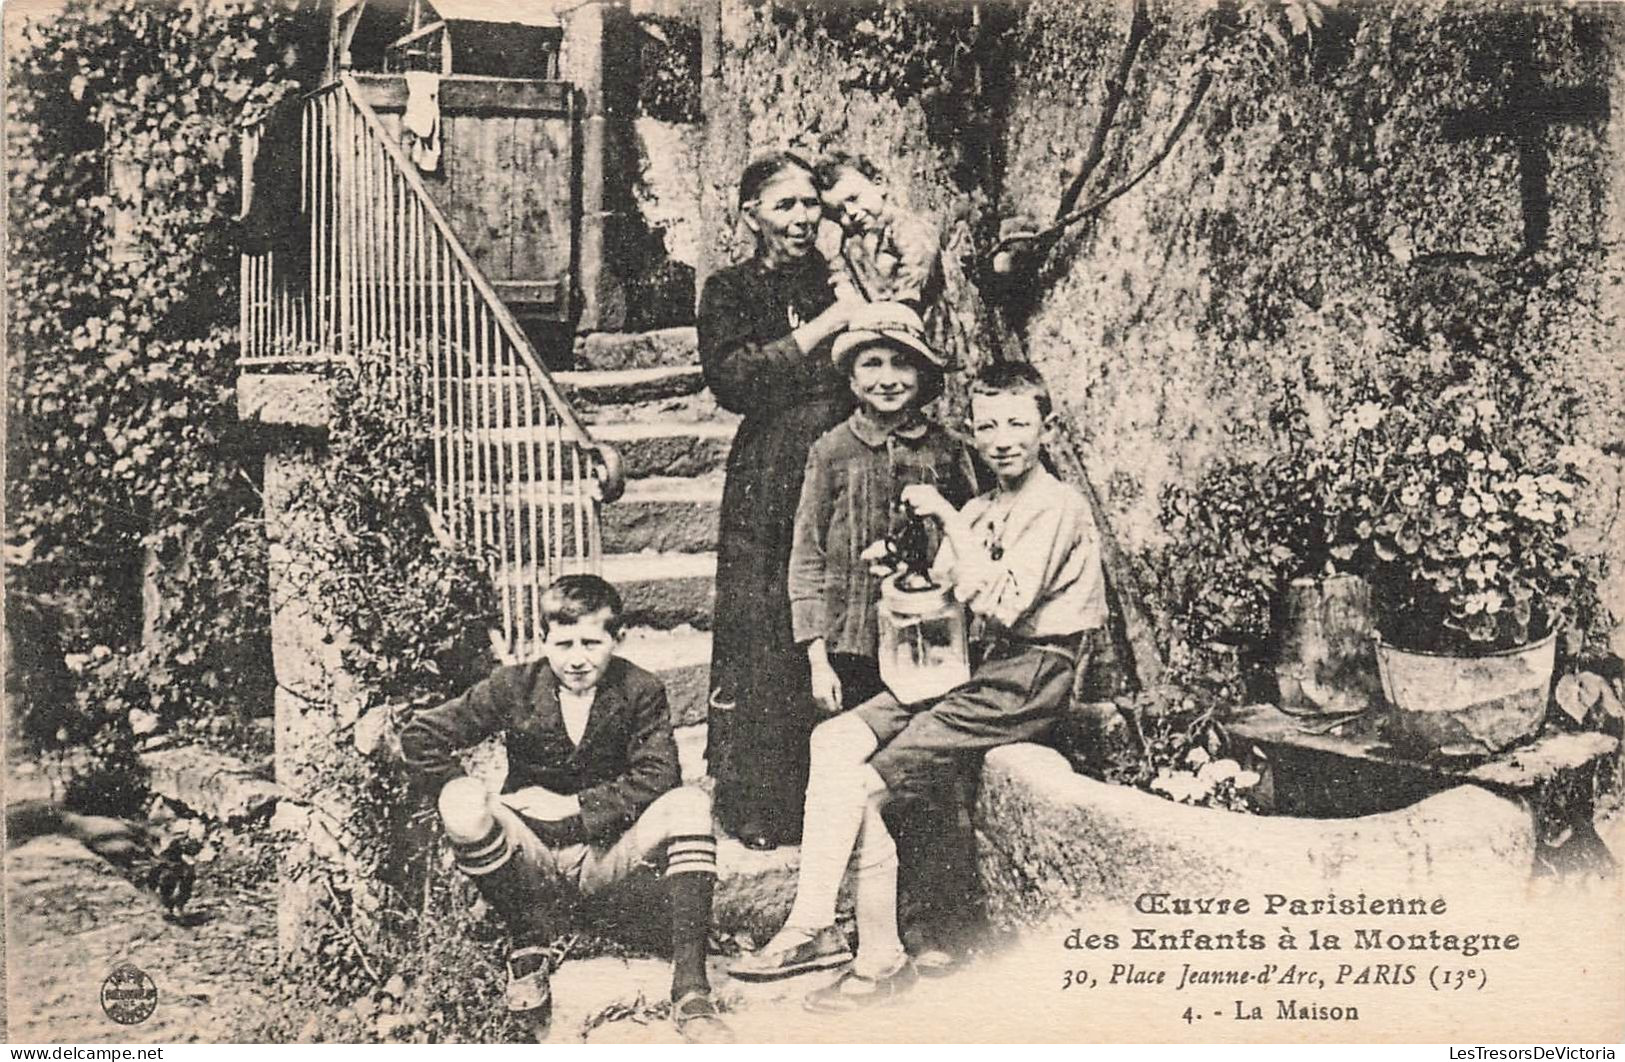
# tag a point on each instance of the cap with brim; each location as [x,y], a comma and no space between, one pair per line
[849,342]
[897,334]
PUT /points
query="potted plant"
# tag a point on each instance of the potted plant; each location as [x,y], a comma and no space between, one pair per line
[1265,556]
[1462,515]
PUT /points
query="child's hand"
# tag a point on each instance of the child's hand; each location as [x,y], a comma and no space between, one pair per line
[879,556]
[829,239]
[826,687]
[925,500]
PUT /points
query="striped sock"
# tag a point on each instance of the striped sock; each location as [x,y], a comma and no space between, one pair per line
[481,857]
[694,853]
[691,872]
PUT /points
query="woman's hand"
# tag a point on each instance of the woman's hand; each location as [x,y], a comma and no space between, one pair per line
[883,316]
[923,499]
[826,684]
[833,321]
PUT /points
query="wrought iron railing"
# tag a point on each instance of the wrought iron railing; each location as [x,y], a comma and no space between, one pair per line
[517,476]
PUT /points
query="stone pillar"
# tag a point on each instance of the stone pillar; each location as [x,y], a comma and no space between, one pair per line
[590,31]
[720,119]
[318,768]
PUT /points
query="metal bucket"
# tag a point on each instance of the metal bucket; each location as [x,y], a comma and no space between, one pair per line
[1325,664]
[1466,703]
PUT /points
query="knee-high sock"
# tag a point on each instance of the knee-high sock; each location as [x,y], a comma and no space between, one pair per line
[837,795]
[497,870]
[879,947]
[691,874]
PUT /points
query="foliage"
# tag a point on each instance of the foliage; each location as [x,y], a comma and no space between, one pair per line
[1466,513]
[410,613]
[1180,750]
[121,123]
[669,69]
[414,608]
[933,57]
[1450,486]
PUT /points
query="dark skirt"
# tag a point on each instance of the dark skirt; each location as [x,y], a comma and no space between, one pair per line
[762,711]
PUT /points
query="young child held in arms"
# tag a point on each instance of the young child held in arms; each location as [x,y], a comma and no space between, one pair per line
[1024,559]
[592,794]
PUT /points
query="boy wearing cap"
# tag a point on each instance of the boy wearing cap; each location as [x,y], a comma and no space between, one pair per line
[855,476]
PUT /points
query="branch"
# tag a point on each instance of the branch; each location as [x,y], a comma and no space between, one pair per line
[1116,88]
[1046,240]
[1203,83]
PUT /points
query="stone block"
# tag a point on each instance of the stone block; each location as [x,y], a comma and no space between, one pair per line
[605,387]
[638,350]
[1051,842]
[209,783]
[682,659]
[676,515]
[664,589]
[667,449]
[293,399]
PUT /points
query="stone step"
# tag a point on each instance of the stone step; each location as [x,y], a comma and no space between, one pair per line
[682,659]
[638,350]
[665,590]
[605,387]
[209,783]
[674,514]
[661,590]
[698,408]
[659,448]
[668,448]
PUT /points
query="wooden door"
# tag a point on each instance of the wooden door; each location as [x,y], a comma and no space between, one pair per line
[506,182]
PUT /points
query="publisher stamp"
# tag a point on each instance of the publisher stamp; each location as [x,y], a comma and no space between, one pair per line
[129,995]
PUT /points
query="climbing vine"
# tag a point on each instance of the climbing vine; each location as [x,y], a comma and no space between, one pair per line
[122,124]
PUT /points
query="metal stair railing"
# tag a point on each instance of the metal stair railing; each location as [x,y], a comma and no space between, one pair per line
[516,475]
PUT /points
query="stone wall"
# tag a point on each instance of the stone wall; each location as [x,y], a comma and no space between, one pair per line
[773,79]
[1386,189]
[1340,206]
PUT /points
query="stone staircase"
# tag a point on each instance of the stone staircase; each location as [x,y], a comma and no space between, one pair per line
[643,394]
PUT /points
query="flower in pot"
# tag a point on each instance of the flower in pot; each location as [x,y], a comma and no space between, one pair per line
[1265,556]
[1468,506]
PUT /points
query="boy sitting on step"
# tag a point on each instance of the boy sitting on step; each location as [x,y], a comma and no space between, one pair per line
[1024,559]
[592,793]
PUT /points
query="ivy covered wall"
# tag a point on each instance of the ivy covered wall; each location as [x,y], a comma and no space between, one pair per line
[1388,184]
[1363,197]
[871,79]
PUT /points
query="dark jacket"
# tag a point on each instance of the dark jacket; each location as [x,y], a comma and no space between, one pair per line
[855,474]
[744,321]
[625,760]
[762,710]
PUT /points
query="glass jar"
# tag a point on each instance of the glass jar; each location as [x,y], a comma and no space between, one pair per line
[922,642]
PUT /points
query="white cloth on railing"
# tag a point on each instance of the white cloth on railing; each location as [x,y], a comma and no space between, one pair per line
[420,125]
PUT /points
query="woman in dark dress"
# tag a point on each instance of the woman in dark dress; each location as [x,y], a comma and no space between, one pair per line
[765,327]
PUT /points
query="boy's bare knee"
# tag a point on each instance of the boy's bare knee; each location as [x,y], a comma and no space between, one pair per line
[685,810]
[844,739]
[465,809]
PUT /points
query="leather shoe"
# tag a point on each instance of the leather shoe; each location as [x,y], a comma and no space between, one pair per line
[697,1020]
[855,991]
[802,952]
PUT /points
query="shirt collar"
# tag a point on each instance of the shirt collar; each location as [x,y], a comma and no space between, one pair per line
[874,436]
